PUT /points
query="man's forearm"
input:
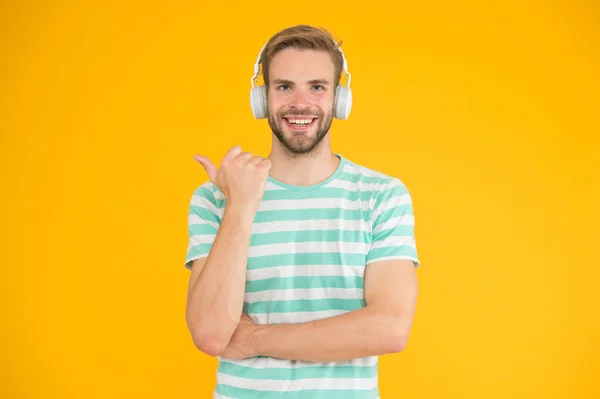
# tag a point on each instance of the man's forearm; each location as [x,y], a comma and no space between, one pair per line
[360,333]
[216,298]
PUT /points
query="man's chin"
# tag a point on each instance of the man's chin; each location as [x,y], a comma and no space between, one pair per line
[297,141]
[303,135]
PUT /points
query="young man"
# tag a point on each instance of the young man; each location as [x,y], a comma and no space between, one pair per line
[302,263]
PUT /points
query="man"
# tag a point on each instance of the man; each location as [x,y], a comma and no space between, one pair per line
[302,263]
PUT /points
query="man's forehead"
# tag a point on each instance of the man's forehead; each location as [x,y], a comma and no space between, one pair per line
[301,65]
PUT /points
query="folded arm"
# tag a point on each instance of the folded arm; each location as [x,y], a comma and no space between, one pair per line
[380,328]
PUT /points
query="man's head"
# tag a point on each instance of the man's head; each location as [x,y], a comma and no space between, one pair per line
[301,66]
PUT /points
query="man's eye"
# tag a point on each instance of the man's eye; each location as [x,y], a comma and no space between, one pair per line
[284,87]
[318,87]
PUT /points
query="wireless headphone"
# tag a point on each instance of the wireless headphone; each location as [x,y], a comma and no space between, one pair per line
[341,105]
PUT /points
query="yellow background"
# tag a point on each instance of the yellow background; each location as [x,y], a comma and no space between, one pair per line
[488,113]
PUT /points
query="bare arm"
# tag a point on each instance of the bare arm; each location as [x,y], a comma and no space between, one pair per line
[216,289]
[381,327]
[217,283]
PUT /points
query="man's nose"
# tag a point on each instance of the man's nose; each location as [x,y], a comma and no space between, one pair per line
[300,99]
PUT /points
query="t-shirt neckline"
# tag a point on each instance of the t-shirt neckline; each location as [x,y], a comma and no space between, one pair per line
[333,176]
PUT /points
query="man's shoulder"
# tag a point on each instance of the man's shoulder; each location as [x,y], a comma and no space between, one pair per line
[371,177]
[207,191]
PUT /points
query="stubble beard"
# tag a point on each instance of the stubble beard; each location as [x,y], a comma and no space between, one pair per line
[300,145]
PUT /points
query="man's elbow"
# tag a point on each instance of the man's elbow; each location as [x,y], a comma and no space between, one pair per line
[397,339]
[210,344]
[397,344]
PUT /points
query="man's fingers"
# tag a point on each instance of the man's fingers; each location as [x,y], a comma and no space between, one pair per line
[255,160]
[265,164]
[233,153]
[210,168]
[244,156]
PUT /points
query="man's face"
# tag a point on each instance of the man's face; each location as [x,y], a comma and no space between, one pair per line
[300,98]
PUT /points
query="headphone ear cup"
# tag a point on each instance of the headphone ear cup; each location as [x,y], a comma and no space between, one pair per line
[343,102]
[258,102]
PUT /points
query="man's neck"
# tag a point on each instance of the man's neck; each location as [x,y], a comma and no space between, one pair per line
[303,170]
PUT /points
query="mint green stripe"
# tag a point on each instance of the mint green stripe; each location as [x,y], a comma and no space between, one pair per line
[311,258]
[298,373]
[200,249]
[204,213]
[396,211]
[204,192]
[307,394]
[303,305]
[310,214]
[285,283]
[324,192]
[383,252]
[310,235]
[194,252]
[202,229]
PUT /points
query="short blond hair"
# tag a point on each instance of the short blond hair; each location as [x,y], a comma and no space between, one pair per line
[303,37]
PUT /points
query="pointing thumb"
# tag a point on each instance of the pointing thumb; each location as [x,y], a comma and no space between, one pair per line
[208,166]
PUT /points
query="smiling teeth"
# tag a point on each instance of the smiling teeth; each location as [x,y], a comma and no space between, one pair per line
[300,121]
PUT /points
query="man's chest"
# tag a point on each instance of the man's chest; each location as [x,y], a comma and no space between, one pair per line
[304,269]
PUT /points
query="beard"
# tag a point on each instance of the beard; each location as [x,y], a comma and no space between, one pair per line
[299,144]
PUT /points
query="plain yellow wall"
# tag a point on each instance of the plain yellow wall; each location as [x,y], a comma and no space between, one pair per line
[488,113]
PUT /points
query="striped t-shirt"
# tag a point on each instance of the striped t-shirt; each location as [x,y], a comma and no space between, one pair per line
[308,252]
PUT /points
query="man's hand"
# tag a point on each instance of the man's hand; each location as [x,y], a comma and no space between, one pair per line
[242,177]
[241,345]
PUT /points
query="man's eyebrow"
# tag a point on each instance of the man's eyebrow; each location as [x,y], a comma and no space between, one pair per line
[312,82]
[318,82]
[283,82]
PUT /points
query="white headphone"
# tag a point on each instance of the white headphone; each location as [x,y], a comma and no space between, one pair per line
[341,105]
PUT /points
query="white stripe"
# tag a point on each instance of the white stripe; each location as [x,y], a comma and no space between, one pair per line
[404,220]
[217,395]
[313,203]
[195,220]
[391,203]
[273,186]
[402,199]
[275,363]
[202,239]
[304,293]
[295,317]
[269,187]
[394,242]
[356,169]
[304,270]
[393,257]
[318,224]
[311,246]
[297,385]
[356,186]
[204,203]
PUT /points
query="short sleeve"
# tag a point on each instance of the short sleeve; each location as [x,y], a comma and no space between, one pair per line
[204,218]
[393,233]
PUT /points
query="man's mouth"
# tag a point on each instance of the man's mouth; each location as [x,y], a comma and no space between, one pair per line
[296,123]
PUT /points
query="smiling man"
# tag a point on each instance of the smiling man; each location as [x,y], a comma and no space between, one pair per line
[302,263]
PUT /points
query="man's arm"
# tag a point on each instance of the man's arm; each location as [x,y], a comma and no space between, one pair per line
[216,288]
[382,327]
